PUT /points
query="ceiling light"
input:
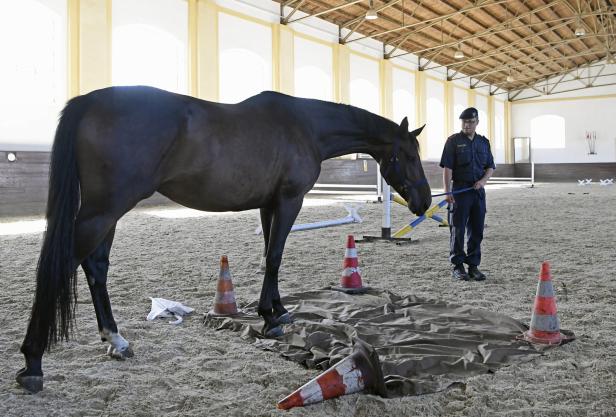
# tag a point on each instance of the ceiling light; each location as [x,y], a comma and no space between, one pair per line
[11,157]
[510,79]
[458,54]
[611,59]
[579,29]
[371,13]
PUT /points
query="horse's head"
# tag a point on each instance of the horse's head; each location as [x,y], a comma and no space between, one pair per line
[401,168]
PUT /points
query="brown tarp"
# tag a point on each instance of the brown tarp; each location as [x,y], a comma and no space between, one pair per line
[423,345]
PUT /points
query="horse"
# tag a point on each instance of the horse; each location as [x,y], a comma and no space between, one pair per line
[117,146]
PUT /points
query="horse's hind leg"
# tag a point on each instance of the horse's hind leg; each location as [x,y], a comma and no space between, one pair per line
[90,231]
[270,306]
[96,266]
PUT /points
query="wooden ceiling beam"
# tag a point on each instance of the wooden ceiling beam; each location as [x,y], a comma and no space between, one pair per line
[572,31]
[435,28]
[429,22]
[490,31]
[469,17]
[504,25]
[328,10]
[527,65]
[498,52]
[540,36]
[502,40]
[598,28]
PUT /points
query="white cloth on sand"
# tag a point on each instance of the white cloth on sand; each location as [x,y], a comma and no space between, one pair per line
[167,308]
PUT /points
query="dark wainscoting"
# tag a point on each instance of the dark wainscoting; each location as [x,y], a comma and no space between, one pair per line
[348,171]
[23,183]
[568,172]
[543,172]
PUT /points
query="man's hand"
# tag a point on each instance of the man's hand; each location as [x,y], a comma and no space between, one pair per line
[480,184]
[447,173]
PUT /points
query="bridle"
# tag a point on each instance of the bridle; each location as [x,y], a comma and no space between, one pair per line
[395,162]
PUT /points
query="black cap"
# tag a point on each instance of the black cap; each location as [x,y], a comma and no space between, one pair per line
[469,113]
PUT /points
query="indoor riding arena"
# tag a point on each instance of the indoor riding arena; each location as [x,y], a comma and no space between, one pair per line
[307,208]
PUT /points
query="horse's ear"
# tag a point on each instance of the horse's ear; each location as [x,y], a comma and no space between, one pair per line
[404,125]
[417,132]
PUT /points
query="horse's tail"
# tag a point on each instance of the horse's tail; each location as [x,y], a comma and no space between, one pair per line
[53,311]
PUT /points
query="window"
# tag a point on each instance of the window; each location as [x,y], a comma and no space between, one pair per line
[33,73]
[481,104]
[499,132]
[548,132]
[460,103]
[313,69]
[245,62]
[435,118]
[150,43]
[364,88]
[403,85]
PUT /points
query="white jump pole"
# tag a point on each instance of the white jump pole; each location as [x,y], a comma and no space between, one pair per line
[352,217]
[386,222]
[379,183]
[532,174]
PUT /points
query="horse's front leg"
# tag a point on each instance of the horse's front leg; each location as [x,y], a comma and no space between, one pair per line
[266,225]
[270,306]
[96,266]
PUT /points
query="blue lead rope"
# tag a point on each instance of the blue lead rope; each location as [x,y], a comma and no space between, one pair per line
[454,192]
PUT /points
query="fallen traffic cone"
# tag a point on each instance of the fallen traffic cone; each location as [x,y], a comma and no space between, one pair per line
[224,300]
[350,282]
[358,372]
[544,323]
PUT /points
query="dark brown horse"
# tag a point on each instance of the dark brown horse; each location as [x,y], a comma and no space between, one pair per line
[117,146]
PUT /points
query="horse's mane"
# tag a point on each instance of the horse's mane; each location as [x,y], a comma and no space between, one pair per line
[369,122]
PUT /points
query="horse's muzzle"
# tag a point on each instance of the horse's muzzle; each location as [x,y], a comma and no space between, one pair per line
[419,199]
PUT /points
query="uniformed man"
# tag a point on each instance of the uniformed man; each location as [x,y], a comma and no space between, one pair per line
[467,160]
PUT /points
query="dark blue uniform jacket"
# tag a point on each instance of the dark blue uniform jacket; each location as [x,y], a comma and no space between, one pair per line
[468,159]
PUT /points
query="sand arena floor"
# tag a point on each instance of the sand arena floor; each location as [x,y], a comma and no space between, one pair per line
[192,370]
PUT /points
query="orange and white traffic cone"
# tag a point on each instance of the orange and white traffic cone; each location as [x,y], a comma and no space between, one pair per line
[350,282]
[361,371]
[224,300]
[544,322]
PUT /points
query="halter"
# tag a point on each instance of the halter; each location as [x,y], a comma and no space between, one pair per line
[395,161]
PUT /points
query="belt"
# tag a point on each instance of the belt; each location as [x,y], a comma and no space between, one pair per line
[462,184]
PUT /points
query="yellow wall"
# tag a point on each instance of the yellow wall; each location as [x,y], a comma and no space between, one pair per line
[207,50]
[94,45]
[342,74]
[421,109]
[89,41]
[283,56]
[449,127]
[386,89]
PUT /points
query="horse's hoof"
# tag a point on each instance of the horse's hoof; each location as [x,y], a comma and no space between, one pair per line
[31,383]
[285,318]
[120,354]
[273,332]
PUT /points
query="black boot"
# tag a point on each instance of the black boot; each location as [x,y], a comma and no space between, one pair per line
[459,273]
[475,273]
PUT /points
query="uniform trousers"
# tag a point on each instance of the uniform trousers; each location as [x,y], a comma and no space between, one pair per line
[466,217]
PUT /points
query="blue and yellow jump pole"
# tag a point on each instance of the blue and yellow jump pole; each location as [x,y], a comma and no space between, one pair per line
[430,213]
